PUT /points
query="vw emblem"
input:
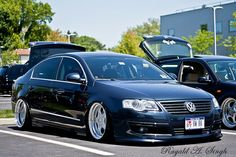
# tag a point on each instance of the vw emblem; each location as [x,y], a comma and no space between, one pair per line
[190,106]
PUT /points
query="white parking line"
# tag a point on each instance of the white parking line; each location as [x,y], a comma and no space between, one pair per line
[87,149]
[228,133]
[6,102]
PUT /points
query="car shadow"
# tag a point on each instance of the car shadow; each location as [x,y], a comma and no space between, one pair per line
[73,135]
[51,131]
[228,129]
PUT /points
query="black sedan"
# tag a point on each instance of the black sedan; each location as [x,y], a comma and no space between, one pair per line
[105,94]
[214,74]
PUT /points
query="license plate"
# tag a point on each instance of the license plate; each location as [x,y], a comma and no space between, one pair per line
[194,123]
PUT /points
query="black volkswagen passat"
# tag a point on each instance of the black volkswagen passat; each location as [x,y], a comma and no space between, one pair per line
[103,94]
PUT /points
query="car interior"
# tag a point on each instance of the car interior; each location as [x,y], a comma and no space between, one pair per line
[192,72]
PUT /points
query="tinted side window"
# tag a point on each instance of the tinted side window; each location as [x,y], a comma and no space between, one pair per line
[192,71]
[47,69]
[68,66]
[171,67]
[38,54]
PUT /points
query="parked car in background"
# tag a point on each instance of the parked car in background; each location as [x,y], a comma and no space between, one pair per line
[106,94]
[7,76]
[38,52]
[214,74]
[42,49]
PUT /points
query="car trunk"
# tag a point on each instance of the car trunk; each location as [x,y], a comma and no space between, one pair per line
[161,48]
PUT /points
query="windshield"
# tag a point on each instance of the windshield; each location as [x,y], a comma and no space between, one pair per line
[168,48]
[224,70]
[122,68]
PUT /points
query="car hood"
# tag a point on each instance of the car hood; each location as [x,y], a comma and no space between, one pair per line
[229,83]
[151,89]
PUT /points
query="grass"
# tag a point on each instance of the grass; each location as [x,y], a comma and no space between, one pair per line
[6,114]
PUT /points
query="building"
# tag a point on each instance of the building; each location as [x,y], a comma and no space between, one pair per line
[23,55]
[186,22]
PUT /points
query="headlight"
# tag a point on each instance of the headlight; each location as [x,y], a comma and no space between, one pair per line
[140,105]
[215,103]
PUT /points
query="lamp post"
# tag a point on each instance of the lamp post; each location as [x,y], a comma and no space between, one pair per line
[214,24]
[69,35]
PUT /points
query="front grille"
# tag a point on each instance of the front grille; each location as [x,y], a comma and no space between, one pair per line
[178,107]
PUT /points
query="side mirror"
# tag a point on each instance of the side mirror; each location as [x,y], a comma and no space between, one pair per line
[204,80]
[75,77]
[173,76]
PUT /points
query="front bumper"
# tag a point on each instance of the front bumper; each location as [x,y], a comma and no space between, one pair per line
[163,126]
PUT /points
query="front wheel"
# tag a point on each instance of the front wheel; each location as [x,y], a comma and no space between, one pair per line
[98,122]
[23,120]
[229,112]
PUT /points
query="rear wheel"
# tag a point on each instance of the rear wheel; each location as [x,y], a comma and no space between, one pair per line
[98,122]
[23,120]
[229,112]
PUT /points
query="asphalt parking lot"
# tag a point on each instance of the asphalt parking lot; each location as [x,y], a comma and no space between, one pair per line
[50,142]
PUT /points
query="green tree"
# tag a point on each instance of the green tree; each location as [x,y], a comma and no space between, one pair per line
[152,27]
[9,57]
[131,39]
[230,42]
[90,43]
[56,35]
[130,44]
[22,21]
[202,42]
[233,55]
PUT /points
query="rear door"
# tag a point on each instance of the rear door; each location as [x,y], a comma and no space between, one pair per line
[162,48]
[42,83]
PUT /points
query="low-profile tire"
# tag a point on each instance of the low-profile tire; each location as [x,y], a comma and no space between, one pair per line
[228,107]
[22,115]
[99,128]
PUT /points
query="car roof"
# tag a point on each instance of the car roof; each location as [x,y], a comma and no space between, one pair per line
[95,54]
[213,57]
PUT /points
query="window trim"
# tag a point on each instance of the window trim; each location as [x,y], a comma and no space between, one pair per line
[56,80]
[229,26]
[202,27]
[221,30]
[171,29]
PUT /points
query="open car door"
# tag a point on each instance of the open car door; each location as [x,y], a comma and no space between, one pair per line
[161,48]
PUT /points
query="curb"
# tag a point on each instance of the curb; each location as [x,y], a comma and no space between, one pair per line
[7,121]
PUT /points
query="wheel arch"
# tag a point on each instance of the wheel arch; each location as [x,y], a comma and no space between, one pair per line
[108,111]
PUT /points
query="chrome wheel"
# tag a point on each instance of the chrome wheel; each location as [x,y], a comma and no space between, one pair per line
[97,121]
[20,113]
[229,112]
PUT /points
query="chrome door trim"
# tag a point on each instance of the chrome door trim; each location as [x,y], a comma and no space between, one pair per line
[68,125]
[54,114]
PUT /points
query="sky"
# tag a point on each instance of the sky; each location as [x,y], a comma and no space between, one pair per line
[107,20]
